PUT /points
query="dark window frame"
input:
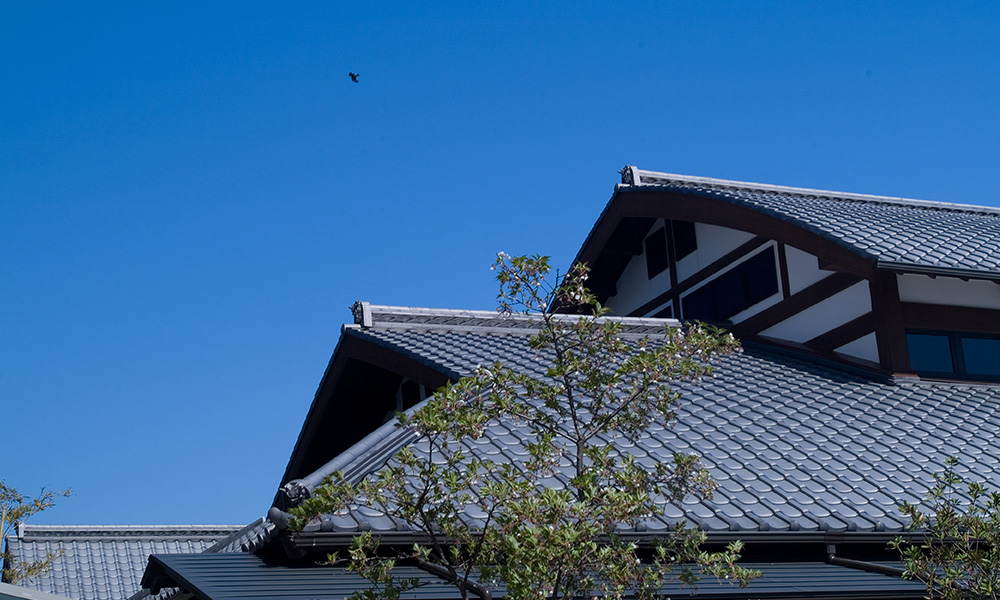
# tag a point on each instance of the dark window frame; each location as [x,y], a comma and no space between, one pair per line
[668,244]
[655,247]
[955,338]
[743,286]
[684,238]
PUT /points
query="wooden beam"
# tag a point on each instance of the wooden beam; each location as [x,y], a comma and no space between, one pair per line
[802,348]
[675,296]
[796,303]
[889,330]
[783,271]
[844,334]
[950,318]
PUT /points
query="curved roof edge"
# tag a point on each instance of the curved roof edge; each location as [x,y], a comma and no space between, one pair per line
[859,233]
[632,176]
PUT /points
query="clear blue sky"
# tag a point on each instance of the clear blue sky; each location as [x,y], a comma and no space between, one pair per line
[192,194]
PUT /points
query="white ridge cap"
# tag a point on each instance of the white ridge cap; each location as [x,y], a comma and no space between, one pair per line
[385,309]
[766,187]
[28,530]
[492,315]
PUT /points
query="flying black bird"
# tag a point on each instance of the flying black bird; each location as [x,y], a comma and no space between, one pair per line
[354,77]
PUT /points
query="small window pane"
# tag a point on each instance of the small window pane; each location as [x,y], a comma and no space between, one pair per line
[699,305]
[762,277]
[685,241]
[929,353]
[730,292]
[656,253]
[982,356]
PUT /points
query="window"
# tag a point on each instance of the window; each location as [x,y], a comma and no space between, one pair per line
[679,234]
[982,356]
[930,352]
[656,252]
[684,240]
[954,355]
[736,290]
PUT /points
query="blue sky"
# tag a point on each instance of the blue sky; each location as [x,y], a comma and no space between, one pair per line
[192,194]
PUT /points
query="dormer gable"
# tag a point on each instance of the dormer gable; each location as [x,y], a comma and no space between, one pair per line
[863,279]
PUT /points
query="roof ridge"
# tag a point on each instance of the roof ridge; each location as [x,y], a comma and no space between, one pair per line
[136,530]
[634,176]
[245,531]
[370,449]
[367,315]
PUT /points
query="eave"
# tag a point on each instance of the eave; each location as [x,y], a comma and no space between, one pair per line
[328,541]
[326,405]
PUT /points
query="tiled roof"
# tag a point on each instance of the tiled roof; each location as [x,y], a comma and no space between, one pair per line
[795,444]
[16,592]
[103,562]
[893,231]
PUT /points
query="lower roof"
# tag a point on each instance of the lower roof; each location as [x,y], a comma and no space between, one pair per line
[107,561]
[17,592]
[239,576]
[796,444]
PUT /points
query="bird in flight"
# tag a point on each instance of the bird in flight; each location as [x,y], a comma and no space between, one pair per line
[354,77]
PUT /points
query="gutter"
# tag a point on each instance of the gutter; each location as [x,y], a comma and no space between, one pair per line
[935,271]
[861,565]
[333,540]
[445,574]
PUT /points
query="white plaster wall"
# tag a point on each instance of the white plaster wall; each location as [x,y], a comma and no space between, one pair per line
[952,291]
[713,243]
[820,318]
[803,269]
[864,347]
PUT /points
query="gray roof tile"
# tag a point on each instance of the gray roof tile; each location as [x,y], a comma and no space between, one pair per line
[840,452]
[890,230]
[106,561]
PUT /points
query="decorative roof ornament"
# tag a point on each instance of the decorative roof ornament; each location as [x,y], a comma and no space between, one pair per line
[293,494]
[630,175]
[362,312]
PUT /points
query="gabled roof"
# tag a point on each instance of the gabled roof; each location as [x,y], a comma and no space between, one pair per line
[889,233]
[798,446]
[106,561]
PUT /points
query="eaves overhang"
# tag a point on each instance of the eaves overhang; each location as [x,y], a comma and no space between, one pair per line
[335,540]
[354,346]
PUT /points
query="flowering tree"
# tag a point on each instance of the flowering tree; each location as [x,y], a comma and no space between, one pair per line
[490,522]
[15,508]
[959,557]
